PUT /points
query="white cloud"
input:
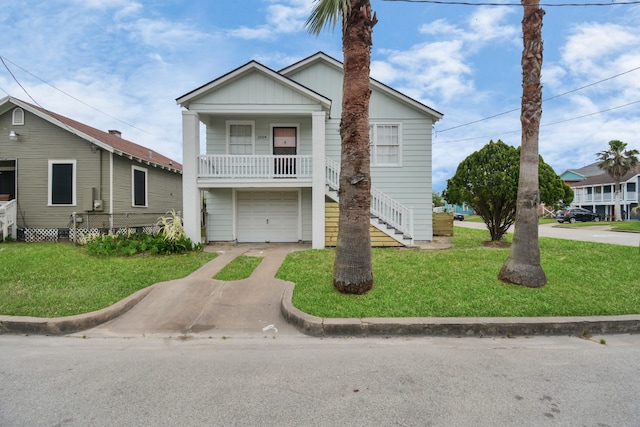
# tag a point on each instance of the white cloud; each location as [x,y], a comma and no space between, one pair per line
[442,68]
[163,33]
[283,17]
[591,47]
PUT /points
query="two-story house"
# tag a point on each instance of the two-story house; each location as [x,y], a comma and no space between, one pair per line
[597,193]
[271,161]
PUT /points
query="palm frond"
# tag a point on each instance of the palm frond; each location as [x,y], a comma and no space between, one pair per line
[327,13]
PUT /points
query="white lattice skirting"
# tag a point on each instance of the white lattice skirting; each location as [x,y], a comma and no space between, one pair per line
[34,235]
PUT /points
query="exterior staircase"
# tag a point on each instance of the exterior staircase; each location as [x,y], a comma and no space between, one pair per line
[387,215]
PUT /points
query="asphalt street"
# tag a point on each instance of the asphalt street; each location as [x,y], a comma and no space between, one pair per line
[280,377]
[304,381]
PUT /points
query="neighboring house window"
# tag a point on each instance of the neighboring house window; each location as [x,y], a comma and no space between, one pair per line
[18,116]
[240,137]
[62,182]
[139,187]
[385,144]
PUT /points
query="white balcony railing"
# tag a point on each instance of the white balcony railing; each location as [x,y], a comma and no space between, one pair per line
[625,197]
[8,213]
[230,166]
[383,207]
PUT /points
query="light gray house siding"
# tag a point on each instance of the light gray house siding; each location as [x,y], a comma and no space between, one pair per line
[219,214]
[410,183]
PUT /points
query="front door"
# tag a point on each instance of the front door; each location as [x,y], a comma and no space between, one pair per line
[8,179]
[285,143]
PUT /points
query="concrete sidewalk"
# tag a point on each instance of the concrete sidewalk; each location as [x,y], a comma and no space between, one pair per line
[260,306]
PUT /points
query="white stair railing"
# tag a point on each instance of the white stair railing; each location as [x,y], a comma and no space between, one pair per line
[8,213]
[383,207]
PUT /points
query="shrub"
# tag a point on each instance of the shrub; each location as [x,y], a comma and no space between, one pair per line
[170,240]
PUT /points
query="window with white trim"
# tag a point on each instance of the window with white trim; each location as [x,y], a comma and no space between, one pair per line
[17,117]
[240,137]
[138,187]
[385,144]
[62,182]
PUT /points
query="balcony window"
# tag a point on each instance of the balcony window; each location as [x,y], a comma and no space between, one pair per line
[240,137]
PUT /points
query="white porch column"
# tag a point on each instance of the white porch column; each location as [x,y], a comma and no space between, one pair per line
[319,179]
[190,192]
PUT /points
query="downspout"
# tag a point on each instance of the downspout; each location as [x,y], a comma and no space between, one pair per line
[111,190]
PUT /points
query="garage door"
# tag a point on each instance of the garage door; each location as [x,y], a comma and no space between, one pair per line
[267,216]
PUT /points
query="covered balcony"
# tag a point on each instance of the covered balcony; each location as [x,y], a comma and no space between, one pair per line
[214,169]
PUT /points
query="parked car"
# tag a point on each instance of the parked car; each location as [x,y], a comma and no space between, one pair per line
[458,216]
[576,214]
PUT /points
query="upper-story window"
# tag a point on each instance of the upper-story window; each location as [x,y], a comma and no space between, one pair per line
[240,137]
[385,144]
[62,182]
[18,117]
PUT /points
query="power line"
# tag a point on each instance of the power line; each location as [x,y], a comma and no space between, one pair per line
[548,124]
[465,3]
[19,84]
[544,100]
[60,90]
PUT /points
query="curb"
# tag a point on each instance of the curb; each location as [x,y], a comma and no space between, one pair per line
[69,324]
[454,326]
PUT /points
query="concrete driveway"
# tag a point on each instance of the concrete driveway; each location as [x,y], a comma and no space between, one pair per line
[596,233]
[199,304]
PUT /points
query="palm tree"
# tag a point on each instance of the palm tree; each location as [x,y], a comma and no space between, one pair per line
[352,268]
[617,161]
[523,264]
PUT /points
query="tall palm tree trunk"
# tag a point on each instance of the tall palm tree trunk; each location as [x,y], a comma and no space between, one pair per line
[352,269]
[523,264]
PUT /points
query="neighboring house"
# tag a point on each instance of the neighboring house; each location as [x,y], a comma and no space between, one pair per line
[463,209]
[52,166]
[271,167]
[574,176]
[597,193]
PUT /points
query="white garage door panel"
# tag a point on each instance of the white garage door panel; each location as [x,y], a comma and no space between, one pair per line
[267,216]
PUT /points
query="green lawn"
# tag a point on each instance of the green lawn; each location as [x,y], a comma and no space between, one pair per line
[583,279]
[626,225]
[58,279]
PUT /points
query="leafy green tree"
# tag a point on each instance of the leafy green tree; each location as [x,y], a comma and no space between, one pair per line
[523,267]
[487,180]
[438,200]
[353,267]
[617,161]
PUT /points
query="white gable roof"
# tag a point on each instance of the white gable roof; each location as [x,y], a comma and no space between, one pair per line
[244,70]
[321,56]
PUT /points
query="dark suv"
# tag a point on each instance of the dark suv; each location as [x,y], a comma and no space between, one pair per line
[576,214]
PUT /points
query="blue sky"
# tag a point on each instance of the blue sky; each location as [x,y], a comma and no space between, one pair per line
[120,64]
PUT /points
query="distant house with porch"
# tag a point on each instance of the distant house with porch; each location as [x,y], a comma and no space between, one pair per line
[52,166]
[597,193]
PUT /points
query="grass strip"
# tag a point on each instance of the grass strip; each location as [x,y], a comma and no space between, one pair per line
[239,268]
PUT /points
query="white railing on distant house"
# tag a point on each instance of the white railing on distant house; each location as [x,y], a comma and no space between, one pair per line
[231,166]
[383,207]
[626,196]
[8,214]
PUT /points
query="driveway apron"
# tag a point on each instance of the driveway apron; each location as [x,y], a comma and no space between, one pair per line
[201,305]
